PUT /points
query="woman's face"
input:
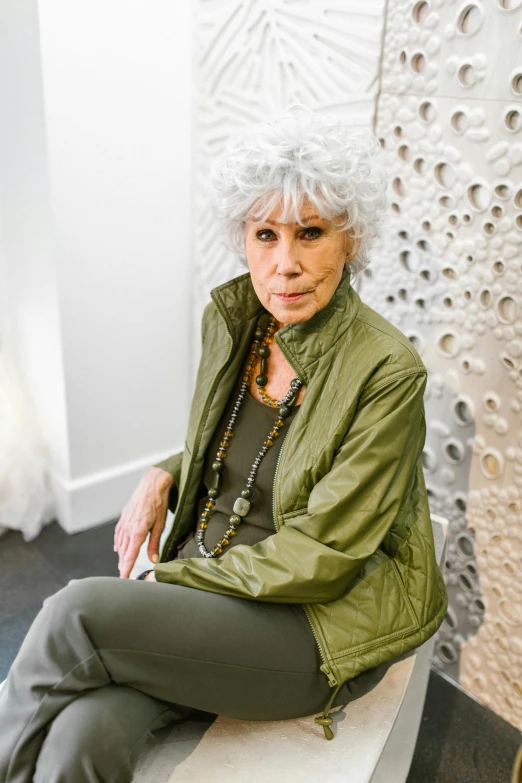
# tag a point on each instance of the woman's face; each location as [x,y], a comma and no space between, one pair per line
[295,269]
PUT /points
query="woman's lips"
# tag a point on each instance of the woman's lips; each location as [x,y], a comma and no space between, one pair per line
[290,297]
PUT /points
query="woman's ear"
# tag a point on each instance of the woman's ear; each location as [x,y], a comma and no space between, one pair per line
[353,246]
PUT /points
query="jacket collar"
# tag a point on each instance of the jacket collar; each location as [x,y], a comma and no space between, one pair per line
[303,344]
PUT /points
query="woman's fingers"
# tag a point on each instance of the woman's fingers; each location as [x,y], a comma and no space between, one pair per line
[117,535]
[124,541]
[146,511]
[129,558]
[154,540]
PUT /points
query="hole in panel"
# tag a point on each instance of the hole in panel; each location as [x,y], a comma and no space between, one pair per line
[398,186]
[507,309]
[445,175]
[448,345]
[513,120]
[470,19]
[516,84]
[427,111]
[418,62]
[466,75]
[463,412]
[479,197]
[459,121]
[420,11]
[450,273]
[503,191]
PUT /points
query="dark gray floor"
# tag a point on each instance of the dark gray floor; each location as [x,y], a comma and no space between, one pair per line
[460,741]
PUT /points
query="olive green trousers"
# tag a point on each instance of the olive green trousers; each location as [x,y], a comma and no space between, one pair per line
[108,661]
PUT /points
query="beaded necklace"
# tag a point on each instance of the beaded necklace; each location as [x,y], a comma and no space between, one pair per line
[263,337]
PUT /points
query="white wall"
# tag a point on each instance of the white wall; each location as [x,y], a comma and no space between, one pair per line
[95,169]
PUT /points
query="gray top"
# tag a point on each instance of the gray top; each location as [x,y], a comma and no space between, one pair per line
[254,422]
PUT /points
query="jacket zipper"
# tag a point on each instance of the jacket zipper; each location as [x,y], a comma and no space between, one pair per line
[332,682]
[197,439]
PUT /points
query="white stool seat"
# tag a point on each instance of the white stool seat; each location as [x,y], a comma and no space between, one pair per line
[375,735]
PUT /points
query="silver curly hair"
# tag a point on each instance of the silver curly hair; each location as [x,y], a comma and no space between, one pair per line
[301,154]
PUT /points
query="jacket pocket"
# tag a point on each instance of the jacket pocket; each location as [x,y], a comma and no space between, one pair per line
[375,611]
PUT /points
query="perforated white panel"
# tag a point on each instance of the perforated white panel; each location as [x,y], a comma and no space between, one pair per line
[448,269]
[448,273]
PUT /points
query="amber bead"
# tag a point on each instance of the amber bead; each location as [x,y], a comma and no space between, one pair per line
[231,532]
[279,423]
[268,442]
[203,525]
[217,550]
[274,433]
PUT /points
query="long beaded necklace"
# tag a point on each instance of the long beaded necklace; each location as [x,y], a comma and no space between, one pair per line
[263,337]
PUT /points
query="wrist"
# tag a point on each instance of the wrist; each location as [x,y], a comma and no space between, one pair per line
[161,477]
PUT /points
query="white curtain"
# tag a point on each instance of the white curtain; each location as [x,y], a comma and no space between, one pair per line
[26,498]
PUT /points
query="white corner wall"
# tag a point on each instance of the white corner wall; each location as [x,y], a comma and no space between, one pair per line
[95,171]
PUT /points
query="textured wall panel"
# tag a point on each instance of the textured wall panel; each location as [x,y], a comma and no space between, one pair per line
[255,58]
[448,273]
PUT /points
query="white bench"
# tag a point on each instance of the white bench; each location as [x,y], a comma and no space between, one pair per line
[375,736]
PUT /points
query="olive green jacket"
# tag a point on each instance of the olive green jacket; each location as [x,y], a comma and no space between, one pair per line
[354,542]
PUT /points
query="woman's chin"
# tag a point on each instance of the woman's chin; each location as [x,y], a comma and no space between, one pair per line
[291,312]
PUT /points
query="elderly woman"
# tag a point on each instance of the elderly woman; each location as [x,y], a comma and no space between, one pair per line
[300,561]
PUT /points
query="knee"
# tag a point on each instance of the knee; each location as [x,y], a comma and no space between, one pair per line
[77,595]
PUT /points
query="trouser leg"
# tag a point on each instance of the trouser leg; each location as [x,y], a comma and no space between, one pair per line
[97,737]
[188,647]
[242,659]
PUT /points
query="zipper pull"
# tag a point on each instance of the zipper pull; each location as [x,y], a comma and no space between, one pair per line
[332,682]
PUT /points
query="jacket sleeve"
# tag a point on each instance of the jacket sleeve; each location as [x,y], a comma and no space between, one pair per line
[173,466]
[315,556]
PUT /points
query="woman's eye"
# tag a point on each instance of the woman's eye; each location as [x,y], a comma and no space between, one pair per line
[266,235]
[312,232]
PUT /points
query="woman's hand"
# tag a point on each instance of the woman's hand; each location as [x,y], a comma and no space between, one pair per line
[145,512]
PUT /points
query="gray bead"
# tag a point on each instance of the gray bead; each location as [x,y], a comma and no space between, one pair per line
[241,507]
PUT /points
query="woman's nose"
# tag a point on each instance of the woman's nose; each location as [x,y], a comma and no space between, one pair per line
[287,258]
